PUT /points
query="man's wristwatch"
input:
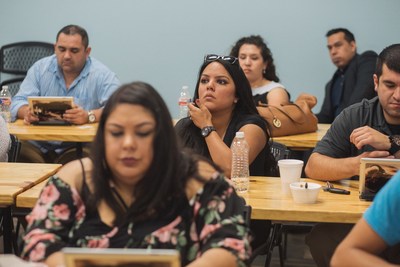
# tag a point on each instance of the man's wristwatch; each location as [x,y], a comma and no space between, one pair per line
[394,144]
[207,130]
[91,116]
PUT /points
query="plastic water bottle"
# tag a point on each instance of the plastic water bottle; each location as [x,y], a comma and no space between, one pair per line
[184,100]
[5,103]
[240,163]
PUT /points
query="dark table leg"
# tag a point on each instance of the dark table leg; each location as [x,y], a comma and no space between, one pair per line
[7,230]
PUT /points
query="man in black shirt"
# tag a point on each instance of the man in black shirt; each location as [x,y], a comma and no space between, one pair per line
[369,129]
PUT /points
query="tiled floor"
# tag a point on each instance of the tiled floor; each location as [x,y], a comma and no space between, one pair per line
[298,254]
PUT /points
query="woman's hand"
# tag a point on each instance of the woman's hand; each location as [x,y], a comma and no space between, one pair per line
[200,115]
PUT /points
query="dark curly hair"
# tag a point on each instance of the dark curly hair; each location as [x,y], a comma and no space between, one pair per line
[257,40]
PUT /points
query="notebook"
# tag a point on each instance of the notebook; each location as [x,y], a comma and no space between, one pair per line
[50,110]
[118,257]
[374,174]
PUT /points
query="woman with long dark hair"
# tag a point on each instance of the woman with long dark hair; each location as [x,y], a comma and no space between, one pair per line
[223,106]
[257,62]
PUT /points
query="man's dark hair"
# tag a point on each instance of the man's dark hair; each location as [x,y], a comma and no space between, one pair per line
[75,29]
[348,36]
[390,56]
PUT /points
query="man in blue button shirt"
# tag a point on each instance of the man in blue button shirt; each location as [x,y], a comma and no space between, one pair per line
[69,72]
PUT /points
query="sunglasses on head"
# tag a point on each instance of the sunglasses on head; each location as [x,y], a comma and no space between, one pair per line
[213,57]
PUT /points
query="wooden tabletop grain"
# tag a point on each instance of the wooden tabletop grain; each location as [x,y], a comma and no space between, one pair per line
[68,133]
[16,178]
[303,141]
[267,202]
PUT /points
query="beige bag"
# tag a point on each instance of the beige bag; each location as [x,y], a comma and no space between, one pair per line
[293,118]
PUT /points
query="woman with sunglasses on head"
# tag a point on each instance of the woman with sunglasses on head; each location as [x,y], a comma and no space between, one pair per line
[223,106]
[139,190]
[256,60]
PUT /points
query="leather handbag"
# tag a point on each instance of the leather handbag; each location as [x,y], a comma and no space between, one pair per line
[290,119]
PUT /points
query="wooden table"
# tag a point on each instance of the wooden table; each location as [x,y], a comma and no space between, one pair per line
[303,141]
[268,203]
[27,199]
[68,133]
[16,178]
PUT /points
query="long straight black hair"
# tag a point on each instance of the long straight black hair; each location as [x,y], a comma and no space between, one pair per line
[167,175]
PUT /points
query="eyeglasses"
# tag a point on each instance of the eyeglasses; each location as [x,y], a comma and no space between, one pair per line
[212,57]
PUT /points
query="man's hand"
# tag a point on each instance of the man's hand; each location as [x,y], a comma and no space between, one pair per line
[367,136]
[76,115]
[27,115]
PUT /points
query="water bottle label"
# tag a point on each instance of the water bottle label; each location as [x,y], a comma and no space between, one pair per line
[184,101]
[5,101]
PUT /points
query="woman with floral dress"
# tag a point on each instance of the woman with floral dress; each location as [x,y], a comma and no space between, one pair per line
[139,190]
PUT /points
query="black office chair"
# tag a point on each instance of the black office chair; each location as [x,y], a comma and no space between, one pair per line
[280,151]
[13,85]
[15,148]
[17,58]
[13,154]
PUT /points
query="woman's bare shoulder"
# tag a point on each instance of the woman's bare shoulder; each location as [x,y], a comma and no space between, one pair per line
[72,172]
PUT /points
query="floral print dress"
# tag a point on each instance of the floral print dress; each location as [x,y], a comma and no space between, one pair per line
[211,219]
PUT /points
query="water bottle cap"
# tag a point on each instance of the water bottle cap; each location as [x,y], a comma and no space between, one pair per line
[240,134]
[185,87]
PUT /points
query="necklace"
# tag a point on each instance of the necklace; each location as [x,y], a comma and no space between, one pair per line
[119,197]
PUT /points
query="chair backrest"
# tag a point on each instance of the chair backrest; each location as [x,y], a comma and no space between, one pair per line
[17,58]
[13,85]
[13,153]
[247,214]
[246,210]
[279,151]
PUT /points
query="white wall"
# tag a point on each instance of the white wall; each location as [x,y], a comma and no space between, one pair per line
[163,42]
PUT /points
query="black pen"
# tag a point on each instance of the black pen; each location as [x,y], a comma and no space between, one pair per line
[339,191]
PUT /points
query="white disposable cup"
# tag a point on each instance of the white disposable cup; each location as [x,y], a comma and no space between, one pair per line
[290,171]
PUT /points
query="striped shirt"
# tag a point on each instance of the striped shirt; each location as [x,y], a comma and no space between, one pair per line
[91,89]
